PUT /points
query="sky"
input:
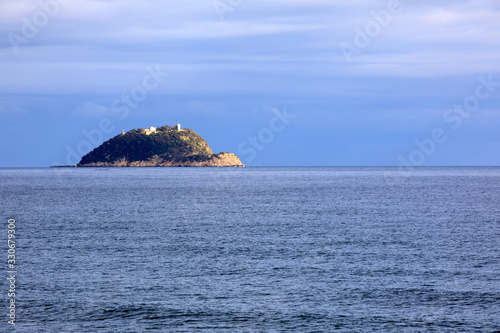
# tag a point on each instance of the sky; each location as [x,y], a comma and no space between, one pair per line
[278,82]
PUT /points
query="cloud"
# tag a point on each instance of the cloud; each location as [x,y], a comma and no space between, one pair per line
[8,110]
[101,46]
[90,109]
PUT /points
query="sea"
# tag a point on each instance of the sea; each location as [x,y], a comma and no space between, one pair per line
[254,249]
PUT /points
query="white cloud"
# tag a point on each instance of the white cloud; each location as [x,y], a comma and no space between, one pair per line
[97,44]
[90,109]
[10,109]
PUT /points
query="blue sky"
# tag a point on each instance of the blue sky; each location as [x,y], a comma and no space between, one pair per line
[295,82]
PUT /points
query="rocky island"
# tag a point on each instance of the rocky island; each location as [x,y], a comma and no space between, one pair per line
[166,146]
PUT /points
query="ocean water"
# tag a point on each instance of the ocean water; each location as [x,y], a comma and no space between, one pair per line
[254,249]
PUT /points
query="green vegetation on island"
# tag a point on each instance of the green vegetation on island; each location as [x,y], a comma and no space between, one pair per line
[162,146]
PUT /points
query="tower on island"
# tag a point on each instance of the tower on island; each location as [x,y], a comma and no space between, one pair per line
[178,127]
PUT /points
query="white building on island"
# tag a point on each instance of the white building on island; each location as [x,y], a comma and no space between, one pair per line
[149,131]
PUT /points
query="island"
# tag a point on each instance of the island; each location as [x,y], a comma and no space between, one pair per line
[165,146]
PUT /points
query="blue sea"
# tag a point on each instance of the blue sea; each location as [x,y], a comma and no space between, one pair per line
[253,249]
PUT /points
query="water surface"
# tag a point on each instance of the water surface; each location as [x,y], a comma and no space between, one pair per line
[255,249]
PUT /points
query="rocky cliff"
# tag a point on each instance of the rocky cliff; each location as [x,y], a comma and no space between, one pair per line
[166,147]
